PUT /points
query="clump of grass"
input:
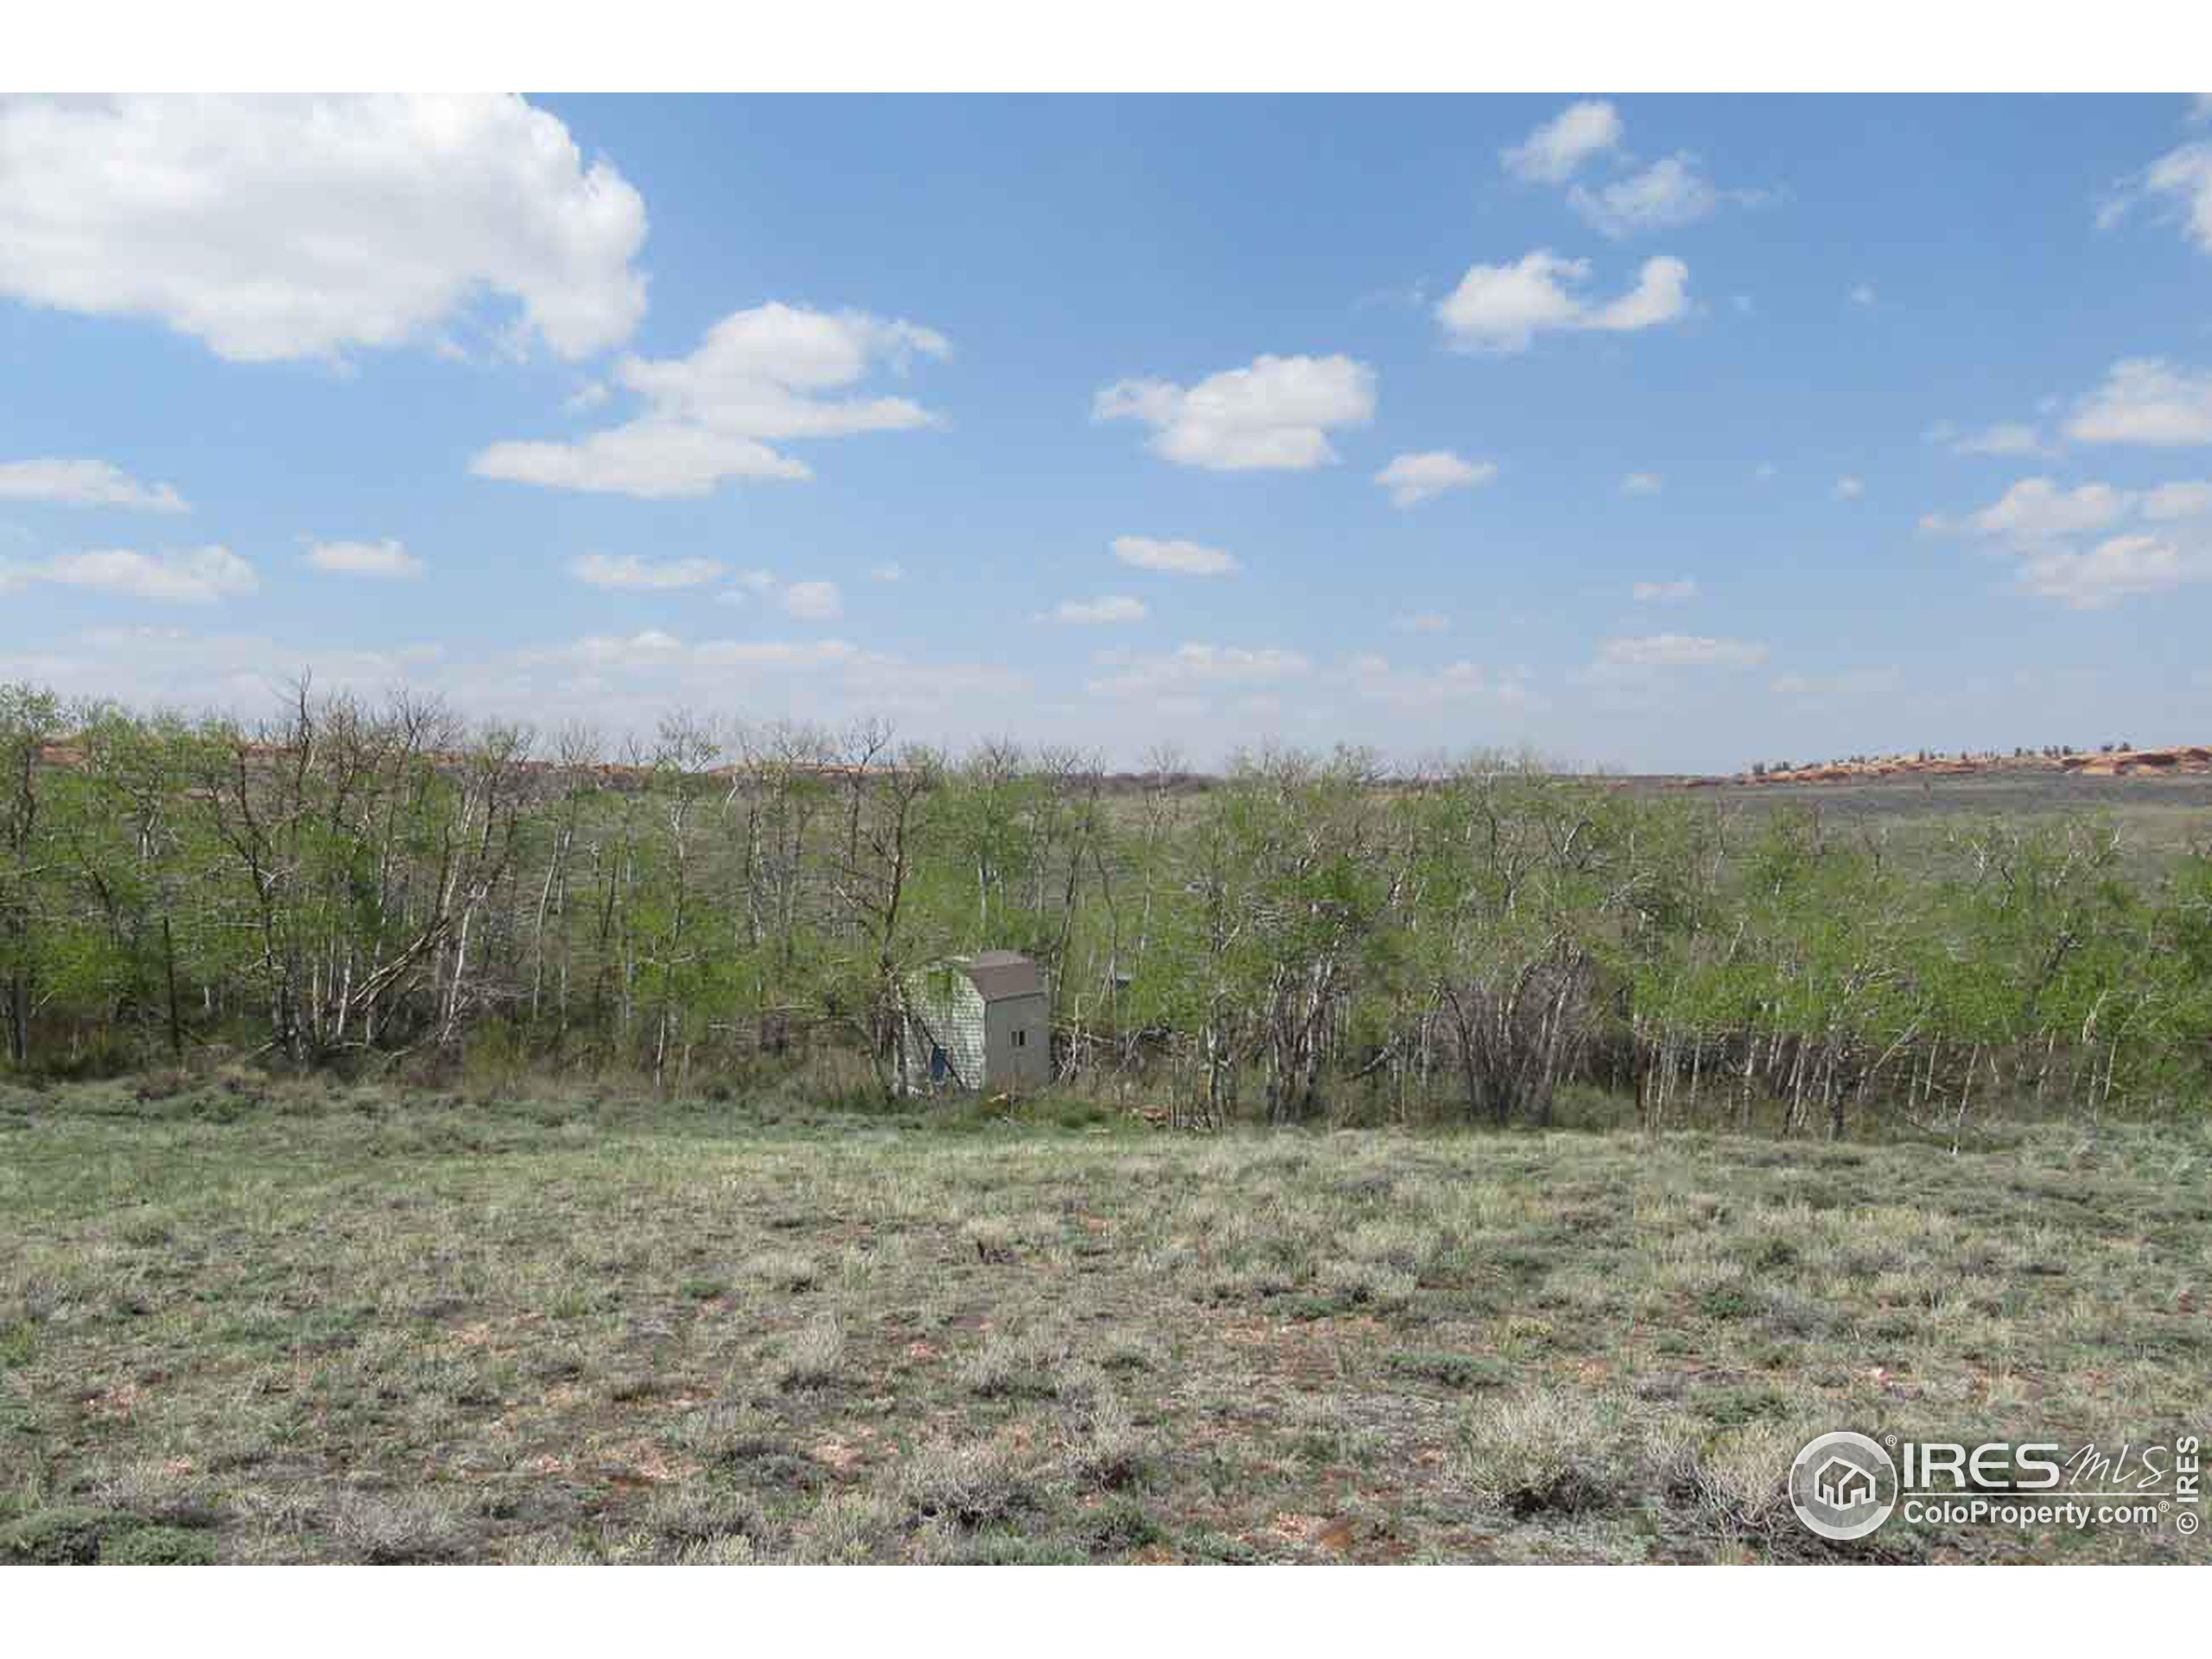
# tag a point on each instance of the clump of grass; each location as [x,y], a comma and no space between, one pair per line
[811,1356]
[1738,1487]
[1371,1285]
[1015,1366]
[159,1546]
[695,1514]
[60,1535]
[1454,1370]
[1545,1453]
[1118,1526]
[971,1485]
[991,1237]
[734,1549]
[416,1527]
[1110,1453]
[846,1527]
[788,1271]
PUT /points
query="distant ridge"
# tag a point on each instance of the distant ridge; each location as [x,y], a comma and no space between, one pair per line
[2169,761]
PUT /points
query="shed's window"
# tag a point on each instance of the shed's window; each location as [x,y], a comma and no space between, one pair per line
[1021,1038]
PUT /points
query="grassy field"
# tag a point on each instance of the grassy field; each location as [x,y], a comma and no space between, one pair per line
[2158,817]
[244,1321]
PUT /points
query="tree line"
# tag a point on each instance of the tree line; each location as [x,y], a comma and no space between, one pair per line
[1305,937]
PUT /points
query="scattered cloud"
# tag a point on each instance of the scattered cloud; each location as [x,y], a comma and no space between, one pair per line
[1112,607]
[2122,567]
[272,228]
[1764,470]
[1667,195]
[1661,651]
[388,559]
[887,572]
[632,572]
[1862,294]
[1557,150]
[194,576]
[1643,484]
[2178,188]
[1275,414]
[2041,523]
[758,378]
[84,483]
[2146,400]
[1504,308]
[2004,438]
[1201,665]
[814,601]
[1421,622]
[1373,678]
[744,585]
[2035,509]
[2188,499]
[1850,488]
[1660,195]
[1665,592]
[1183,558]
[1415,478]
[1835,691]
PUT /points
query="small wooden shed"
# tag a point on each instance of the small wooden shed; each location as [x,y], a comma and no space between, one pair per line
[979,1022]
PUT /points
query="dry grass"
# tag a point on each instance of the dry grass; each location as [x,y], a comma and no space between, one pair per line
[326,1324]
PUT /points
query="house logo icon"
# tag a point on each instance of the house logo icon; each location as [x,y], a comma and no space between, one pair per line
[1843,1485]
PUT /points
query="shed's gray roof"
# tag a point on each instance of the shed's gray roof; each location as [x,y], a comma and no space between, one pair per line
[997,974]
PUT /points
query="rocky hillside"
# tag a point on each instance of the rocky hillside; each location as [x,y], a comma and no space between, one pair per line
[2107,763]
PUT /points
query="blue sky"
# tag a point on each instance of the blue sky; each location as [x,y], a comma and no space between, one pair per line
[1659,433]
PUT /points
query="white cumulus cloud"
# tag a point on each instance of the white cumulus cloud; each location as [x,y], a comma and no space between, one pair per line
[1111,608]
[193,576]
[2146,400]
[1665,592]
[2192,498]
[1679,651]
[2122,567]
[1196,665]
[387,558]
[814,601]
[1181,558]
[2035,509]
[761,377]
[82,483]
[2004,438]
[1554,151]
[1504,308]
[272,228]
[630,570]
[1664,196]
[1275,414]
[1413,479]
[2046,526]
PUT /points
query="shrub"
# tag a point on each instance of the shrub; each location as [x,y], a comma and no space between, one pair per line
[811,1355]
[1546,1451]
[970,1485]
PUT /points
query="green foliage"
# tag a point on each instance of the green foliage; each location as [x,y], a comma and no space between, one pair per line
[1304,938]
